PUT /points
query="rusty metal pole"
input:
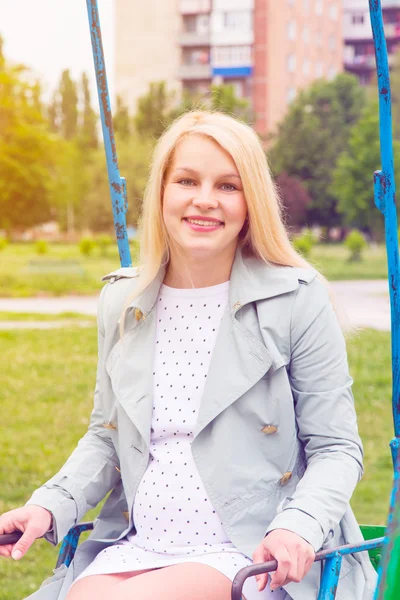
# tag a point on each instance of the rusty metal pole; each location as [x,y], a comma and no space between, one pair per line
[117,183]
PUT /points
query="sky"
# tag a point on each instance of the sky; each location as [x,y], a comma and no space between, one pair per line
[52,35]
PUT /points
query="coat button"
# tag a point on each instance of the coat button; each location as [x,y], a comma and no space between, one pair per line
[118,469]
[138,314]
[109,425]
[237,305]
[286,477]
[268,429]
[126,515]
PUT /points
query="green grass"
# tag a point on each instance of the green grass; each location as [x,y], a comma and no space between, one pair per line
[69,316]
[46,398]
[63,270]
[332,261]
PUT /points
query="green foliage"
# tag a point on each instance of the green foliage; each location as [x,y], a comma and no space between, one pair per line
[154,111]
[304,243]
[88,130]
[104,242]
[122,121]
[352,181]
[86,246]
[223,98]
[3,243]
[41,247]
[355,242]
[28,152]
[311,137]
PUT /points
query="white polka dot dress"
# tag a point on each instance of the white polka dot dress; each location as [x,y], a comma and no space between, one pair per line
[174,518]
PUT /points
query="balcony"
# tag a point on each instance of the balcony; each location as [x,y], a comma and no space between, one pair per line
[194,7]
[360,63]
[392,30]
[187,72]
[193,38]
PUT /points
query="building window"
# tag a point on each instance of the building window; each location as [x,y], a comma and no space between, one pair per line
[319,7]
[333,12]
[306,6]
[332,73]
[332,43]
[196,57]
[291,30]
[231,56]
[357,19]
[306,67]
[290,2]
[196,24]
[291,94]
[306,34]
[237,20]
[318,39]
[291,63]
[319,69]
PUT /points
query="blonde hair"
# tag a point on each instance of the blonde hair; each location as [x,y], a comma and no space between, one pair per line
[264,235]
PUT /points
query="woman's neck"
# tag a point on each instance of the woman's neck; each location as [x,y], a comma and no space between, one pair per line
[186,274]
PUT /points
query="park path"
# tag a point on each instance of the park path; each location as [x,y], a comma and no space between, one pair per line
[362,304]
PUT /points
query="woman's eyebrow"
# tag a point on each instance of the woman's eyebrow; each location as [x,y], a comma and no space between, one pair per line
[194,172]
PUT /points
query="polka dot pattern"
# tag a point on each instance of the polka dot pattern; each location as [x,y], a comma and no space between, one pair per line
[187,328]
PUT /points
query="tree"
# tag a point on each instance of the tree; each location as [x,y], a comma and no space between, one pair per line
[121,120]
[28,151]
[352,180]
[295,199]
[154,111]
[134,159]
[68,106]
[88,129]
[311,137]
[223,98]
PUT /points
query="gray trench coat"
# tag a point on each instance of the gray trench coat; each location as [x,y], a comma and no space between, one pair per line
[276,441]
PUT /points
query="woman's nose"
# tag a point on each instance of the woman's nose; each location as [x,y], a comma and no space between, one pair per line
[205,199]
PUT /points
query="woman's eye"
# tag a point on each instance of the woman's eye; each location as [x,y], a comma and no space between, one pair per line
[228,187]
[186,181]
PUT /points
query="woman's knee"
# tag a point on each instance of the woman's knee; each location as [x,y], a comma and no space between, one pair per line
[97,587]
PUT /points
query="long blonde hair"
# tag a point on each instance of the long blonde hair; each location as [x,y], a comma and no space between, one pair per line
[264,235]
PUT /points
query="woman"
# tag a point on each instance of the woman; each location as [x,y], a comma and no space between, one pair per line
[223,422]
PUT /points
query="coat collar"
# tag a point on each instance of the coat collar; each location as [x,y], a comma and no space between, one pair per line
[251,280]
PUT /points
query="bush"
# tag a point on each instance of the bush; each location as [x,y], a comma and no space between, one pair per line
[355,242]
[304,243]
[104,242]
[86,246]
[41,247]
[3,243]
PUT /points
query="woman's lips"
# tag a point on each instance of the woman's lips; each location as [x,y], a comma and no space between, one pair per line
[203,224]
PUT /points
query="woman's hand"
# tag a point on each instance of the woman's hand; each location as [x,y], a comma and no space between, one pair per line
[294,555]
[33,521]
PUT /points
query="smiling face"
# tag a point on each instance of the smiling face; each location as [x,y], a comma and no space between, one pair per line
[204,207]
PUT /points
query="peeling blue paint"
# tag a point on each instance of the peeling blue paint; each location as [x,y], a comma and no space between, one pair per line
[117,186]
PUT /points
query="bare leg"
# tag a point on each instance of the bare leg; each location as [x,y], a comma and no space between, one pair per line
[97,586]
[190,581]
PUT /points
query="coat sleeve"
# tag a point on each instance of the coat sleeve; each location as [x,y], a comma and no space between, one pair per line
[326,419]
[89,473]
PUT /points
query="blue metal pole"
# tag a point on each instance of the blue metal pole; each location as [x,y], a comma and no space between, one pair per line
[117,185]
[385,200]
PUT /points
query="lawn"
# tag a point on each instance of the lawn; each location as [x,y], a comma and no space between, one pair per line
[47,396]
[63,270]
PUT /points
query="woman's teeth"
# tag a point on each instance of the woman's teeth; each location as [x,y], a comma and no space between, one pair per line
[204,223]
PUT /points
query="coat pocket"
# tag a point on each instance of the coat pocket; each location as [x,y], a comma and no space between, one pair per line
[51,587]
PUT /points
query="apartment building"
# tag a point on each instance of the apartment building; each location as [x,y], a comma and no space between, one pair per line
[359,54]
[267,49]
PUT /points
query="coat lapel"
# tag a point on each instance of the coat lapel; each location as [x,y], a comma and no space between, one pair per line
[238,361]
[131,371]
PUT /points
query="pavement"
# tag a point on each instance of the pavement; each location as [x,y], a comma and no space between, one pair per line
[361,304]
